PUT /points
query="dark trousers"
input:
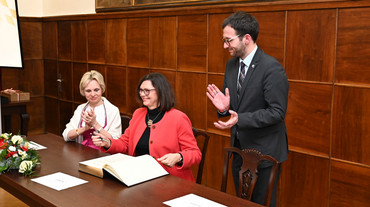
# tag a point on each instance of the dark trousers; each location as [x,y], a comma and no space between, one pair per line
[258,195]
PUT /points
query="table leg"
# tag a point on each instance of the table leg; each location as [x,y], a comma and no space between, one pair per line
[7,124]
[24,123]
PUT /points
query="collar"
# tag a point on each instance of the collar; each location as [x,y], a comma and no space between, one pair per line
[247,61]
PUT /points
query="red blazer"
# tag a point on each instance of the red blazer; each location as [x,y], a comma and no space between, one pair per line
[172,134]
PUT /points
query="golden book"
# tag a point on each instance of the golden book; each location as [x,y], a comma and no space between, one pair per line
[127,169]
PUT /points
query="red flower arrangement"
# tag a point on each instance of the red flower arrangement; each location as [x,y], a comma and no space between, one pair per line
[16,154]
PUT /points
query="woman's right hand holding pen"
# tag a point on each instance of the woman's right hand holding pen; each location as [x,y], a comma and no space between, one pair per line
[100,140]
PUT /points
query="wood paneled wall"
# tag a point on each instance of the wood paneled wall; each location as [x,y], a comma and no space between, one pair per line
[324,48]
[31,78]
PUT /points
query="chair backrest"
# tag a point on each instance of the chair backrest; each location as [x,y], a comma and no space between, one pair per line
[204,142]
[248,172]
[125,120]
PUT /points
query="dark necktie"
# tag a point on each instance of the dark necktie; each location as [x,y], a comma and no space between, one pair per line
[241,77]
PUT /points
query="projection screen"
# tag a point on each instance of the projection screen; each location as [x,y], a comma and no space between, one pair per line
[10,42]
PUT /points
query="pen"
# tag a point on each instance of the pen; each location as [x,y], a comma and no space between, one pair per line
[105,140]
[101,138]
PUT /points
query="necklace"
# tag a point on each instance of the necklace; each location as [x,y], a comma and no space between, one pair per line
[150,122]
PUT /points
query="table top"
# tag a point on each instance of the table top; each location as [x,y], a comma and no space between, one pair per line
[65,157]
[14,103]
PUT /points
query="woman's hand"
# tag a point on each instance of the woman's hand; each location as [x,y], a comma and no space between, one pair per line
[100,140]
[89,118]
[170,159]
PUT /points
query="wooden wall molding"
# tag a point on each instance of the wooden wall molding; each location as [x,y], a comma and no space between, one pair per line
[219,9]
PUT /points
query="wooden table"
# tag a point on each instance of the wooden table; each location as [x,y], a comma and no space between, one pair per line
[15,108]
[64,157]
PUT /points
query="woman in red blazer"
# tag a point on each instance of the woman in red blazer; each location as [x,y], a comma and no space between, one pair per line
[158,129]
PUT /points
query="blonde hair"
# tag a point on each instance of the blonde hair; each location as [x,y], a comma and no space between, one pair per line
[88,77]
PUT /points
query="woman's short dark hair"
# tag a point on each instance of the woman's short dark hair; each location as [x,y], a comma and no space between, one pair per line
[166,96]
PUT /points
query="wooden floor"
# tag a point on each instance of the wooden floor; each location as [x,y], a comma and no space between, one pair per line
[8,200]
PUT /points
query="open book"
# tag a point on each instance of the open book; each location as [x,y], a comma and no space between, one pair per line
[129,170]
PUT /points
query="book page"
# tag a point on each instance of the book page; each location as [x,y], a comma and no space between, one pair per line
[136,170]
[95,166]
[101,161]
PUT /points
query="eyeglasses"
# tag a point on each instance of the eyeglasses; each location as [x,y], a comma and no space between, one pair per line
[227,41]
[145,91]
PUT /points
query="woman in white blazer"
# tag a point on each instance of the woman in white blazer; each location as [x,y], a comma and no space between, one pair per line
[97,114]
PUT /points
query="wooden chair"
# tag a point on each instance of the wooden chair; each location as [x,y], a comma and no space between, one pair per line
[248,172]
[125,120]
[198,134]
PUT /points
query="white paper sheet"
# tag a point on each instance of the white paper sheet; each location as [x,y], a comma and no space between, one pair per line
[59,181]
[33,145]
[192,200]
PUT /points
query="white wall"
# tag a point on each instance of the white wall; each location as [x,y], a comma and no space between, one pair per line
[43,8]
[31,8]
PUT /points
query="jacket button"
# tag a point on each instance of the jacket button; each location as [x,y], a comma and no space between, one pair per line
[153,127]
[151,141]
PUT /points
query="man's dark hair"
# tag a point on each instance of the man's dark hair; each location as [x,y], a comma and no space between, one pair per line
[166,96]
[243,23]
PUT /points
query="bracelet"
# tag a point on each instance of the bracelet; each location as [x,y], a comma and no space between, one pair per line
[100,129]
[181,159]
[78,134]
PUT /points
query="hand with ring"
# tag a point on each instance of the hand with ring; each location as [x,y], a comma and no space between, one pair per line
[220,101]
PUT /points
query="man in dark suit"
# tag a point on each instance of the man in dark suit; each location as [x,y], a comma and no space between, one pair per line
[255,96]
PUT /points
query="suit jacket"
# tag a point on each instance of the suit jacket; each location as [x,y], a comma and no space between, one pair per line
[262,105]
[172,134]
